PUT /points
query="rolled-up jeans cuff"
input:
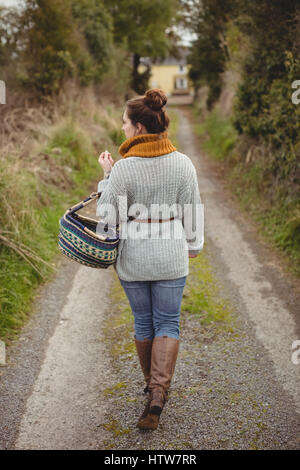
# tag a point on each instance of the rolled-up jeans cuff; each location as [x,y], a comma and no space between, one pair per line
[194,252]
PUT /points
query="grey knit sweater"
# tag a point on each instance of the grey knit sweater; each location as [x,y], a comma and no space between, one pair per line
[149,187]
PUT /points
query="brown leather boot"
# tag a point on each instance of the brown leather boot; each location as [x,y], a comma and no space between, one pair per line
[163,360]
[144,349]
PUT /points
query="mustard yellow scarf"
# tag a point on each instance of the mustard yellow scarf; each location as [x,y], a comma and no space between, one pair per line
[147,145]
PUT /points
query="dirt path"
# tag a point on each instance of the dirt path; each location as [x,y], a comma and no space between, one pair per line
[248,269]
[227,394]
[50,391]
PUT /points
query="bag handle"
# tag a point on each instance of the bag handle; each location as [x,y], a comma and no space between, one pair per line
[85,202]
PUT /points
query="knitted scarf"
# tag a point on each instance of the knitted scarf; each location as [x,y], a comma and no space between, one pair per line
[147,145]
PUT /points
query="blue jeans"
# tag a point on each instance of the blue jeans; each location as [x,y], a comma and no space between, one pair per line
[155,306]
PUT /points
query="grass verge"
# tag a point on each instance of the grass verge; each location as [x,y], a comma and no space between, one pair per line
[34,195]
[277,217]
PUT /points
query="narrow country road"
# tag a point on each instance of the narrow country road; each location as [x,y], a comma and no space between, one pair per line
[48,395]
[49,391]
[248,270]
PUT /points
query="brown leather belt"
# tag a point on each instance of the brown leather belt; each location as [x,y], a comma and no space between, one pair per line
[150,220]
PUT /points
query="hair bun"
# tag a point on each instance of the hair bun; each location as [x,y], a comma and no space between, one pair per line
[155,99]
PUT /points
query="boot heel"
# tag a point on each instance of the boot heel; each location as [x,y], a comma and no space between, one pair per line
[156,410]
[150,422]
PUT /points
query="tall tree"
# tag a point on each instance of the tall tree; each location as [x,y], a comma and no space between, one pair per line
[9,29]
[96,26]
[146,28]
[50,43]
[209,50]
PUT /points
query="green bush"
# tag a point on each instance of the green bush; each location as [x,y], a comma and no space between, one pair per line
[263,109]
[220,136]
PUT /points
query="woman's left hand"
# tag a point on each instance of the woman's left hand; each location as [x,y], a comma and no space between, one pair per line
[106,161]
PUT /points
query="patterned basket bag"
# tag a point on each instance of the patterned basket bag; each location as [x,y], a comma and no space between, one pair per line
[79,239]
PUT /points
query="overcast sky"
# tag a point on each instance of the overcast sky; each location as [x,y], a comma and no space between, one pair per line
[9,3]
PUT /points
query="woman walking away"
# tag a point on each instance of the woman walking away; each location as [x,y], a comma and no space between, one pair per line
[152,178]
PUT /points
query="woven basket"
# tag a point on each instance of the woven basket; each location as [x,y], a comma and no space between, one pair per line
[79,241]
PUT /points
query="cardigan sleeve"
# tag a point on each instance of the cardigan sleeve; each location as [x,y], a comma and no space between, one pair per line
[192,212]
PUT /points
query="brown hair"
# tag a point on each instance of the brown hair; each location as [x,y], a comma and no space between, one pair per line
[149,110]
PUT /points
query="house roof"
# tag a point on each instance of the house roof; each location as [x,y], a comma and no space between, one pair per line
[170,60]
